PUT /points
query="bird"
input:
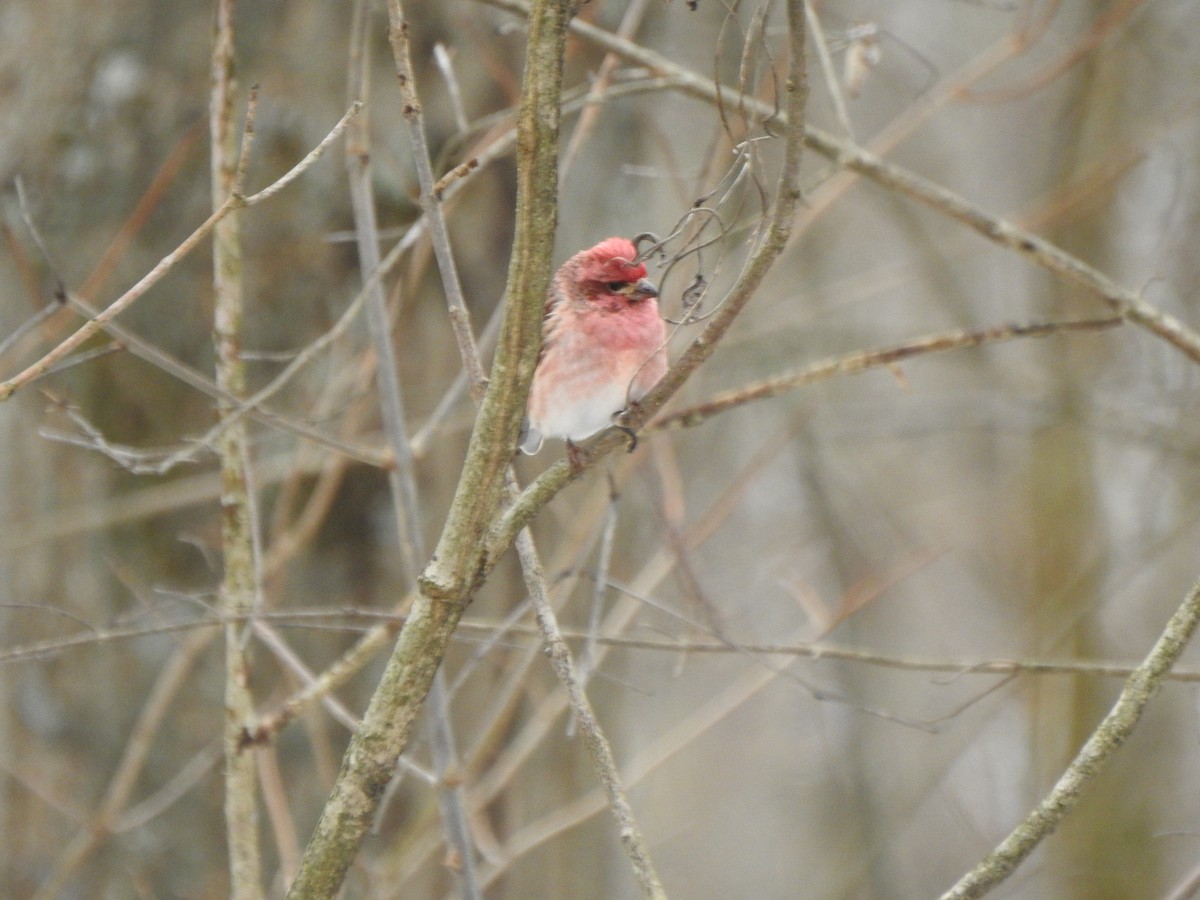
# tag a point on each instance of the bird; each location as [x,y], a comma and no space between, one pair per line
[603,346]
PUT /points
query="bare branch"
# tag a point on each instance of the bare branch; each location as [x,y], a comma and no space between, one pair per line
[1092,758]
[854,363]
[815,650]
[231,202]
[450,578]
[585,718]
[239,586]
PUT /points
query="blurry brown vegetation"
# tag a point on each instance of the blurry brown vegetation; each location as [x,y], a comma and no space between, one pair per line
[1026,500]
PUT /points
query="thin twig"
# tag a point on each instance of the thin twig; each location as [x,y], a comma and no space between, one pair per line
[445,64]
[279,814]
[306,163]
[587,662]
[460,318]
[528,635]
[28,325]
[829,76]
[272,640]
[329,679]
[188,776]
[597,744]
[387,378]
[863,360]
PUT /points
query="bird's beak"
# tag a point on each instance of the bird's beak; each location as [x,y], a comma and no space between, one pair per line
[640,290]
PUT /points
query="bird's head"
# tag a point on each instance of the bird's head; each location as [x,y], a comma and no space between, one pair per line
[609,274]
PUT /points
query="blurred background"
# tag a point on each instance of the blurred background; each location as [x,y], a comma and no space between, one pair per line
[1033,500]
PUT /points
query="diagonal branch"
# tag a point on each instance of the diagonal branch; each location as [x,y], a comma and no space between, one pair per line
[593,737]
[454,572]
[1108,737]
[861,361]
[228,204]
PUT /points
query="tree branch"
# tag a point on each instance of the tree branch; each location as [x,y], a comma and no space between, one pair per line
[239,586]
[229,203]
[1109,735]
[454,572]
[863,360]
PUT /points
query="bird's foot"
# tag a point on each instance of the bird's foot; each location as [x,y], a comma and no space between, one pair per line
[629,433]
[619,419]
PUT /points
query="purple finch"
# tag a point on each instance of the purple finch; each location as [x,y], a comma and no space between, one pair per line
[603,345]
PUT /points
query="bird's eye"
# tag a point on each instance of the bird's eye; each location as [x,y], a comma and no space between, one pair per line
[615,286]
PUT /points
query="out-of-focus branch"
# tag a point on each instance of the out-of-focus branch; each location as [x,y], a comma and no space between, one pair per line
[837,97]
[158,705]
[804,649]
[239,585]
[330,679]
[387,378]
[1039,250]
[228,204]
[450,578]
[1109,735]
[631,20]
[1110,21]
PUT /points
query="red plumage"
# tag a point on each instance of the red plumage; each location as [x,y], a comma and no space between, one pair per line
[603,345]
[612,260]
